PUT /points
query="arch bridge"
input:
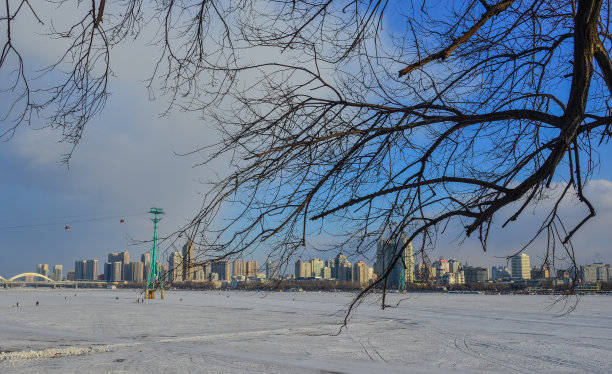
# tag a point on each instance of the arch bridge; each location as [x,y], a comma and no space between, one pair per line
[23,275]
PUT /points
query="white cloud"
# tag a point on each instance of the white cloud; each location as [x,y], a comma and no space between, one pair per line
[591,242]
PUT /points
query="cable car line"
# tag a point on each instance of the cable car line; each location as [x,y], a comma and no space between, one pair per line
[122,213]
[67,227]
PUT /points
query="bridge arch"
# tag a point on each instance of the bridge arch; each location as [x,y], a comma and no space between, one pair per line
[32,274]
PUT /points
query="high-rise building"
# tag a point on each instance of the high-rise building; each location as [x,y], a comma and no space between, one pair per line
[317,266]
[222,268]
[604,272]
[271,270]
[453,265]
[57,273]
[188,260]
[162,270]
[360,273]
[238,268]
[453,278]
[91,270]
[117,271]
[251,269]
[563,274]
[588,274]
[207,267]
[80,270]
[127,272]
[340,267]
[500,272]
[42,269]
[175,266]
[146,259]
[124,258]
[70,276]
[108,271]
[596,272]
[136,271]
[496,272]
[475,274]
[521,267]
[441,267]
[386,253]
[326,272]
[424,272]
[540,273]
[345,272]
[300,269]
[307,269]
[198,274]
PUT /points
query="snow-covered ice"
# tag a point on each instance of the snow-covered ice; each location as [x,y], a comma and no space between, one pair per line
[107,331]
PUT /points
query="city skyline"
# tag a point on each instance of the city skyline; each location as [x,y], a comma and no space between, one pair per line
[472,255]
[119,268]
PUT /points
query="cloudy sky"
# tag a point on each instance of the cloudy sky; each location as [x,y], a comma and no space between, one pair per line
[126,163]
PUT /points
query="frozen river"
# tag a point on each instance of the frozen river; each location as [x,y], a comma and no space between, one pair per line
[106,331]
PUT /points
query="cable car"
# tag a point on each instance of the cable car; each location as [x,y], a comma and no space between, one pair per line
[67,228]
[122,220]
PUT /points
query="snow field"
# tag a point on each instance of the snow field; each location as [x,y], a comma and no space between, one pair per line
[100,331]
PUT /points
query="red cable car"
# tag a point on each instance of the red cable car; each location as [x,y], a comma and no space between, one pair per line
[67,228]
[122,220]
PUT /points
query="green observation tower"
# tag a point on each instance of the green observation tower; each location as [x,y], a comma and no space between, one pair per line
[154,278]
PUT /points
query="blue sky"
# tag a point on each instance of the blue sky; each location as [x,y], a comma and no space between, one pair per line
[126,163]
